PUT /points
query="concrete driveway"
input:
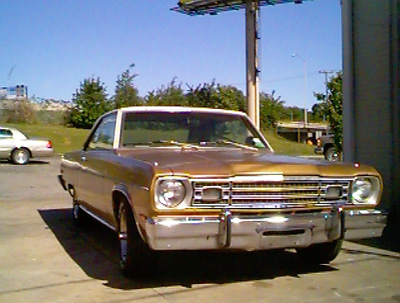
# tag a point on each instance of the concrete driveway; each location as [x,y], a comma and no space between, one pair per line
[45,258]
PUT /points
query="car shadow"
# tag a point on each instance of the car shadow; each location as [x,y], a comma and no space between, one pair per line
[31,162]
[390,239]
[94,248]
[38,162]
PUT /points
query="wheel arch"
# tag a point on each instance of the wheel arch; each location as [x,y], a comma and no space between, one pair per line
[120,193]
[328,145]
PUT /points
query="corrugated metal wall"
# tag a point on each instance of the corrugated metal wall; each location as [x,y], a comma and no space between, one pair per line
[371,89]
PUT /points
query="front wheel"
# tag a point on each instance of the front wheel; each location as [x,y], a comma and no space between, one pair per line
[135,256]
[320,253]
[20,156]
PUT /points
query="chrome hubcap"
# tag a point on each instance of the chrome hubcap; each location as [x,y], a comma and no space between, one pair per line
[335,157]
[21,157]
[123,236]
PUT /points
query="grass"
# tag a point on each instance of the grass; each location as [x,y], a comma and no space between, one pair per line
[68,139]
[287,147]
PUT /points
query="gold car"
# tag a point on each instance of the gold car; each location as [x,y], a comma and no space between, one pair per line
[176,178]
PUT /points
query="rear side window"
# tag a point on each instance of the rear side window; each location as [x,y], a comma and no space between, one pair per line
[5,134]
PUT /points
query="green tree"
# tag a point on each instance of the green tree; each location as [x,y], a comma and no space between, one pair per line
[333,107]
[170,95]
[203,95]
[126,94]
[213,95]
[318,112]
[293,113]
[231,98]
[271,110]
[88,104]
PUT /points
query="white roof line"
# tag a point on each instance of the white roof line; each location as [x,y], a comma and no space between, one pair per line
[178,109]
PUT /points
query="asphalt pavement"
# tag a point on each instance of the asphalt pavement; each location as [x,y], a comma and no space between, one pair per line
[44,257]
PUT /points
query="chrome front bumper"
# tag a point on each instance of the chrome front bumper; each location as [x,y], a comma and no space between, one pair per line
[255,232]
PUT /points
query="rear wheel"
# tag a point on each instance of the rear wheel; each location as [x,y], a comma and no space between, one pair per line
[320,253]
[20,156]
[135,256]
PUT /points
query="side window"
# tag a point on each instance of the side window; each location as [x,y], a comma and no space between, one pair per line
[5,134]
[103,136]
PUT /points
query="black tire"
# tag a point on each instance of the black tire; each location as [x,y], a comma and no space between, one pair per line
[332,155]
[320,253]
[20,156]
[136,259]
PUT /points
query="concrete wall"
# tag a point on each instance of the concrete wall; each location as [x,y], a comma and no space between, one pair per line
[371,90]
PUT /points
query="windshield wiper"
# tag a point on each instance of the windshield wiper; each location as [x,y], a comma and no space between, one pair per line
[176,143]
[232,143]
[147,144]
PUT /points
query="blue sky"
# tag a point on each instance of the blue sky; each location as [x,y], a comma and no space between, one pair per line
[54,45]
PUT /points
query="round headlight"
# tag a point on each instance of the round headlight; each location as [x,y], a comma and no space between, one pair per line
[362,190]
[365,190]
[171,193]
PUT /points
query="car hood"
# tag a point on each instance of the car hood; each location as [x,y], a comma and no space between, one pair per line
[216,162]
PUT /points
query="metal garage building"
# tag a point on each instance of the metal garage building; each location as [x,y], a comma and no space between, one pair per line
[371,90]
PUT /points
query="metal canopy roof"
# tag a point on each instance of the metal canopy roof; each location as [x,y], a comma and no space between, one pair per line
[213,7]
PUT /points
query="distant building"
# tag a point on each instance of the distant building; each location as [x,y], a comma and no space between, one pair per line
[14,92]
[300,132]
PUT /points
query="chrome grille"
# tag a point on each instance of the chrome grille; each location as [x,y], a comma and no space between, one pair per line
[289,192]
[200,186]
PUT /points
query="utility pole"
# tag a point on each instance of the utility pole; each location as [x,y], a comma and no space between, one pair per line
[326,72]
[252,62]
[252,7]
[304,86]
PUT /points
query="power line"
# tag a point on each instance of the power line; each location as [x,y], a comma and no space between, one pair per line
[313,74]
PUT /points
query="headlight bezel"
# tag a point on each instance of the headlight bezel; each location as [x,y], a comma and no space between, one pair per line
[360,187]
[161,189]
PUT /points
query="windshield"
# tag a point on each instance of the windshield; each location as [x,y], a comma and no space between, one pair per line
[193,129]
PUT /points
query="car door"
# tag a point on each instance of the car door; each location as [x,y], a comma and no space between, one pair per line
[6,143]
[93,166]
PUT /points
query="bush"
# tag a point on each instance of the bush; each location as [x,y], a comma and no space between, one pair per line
[18,111]
[54,117]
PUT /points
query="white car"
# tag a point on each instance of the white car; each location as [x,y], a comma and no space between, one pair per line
[19,148]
